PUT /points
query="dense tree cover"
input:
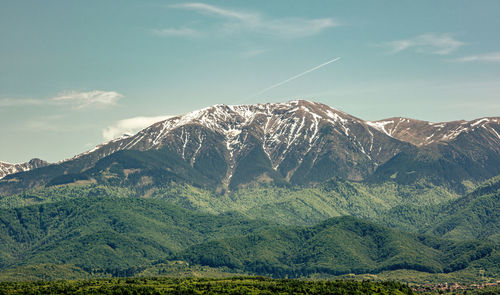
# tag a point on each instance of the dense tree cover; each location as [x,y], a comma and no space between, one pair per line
[104,227]
[243,285]
[64,192]
[124,236]
[230,285]
[46,271]
[337,246]
[473,216]
[107,234]
[285,205]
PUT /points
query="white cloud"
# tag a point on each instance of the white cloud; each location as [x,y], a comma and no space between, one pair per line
[214,10]
[85,99]
[235,21]
[430,43]
[487,57]
[74,98]
[182,32]
[130,126]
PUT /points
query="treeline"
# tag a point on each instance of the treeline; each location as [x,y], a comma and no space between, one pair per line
[252,285]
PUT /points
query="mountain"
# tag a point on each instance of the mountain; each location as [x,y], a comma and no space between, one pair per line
[291,141]
[264,189]
[421,133]
[448,153]
[8,168]
[295,143]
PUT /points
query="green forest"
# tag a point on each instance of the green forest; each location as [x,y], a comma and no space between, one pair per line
[244,285]
[96,230]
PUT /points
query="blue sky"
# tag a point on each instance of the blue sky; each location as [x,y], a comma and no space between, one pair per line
[75,73]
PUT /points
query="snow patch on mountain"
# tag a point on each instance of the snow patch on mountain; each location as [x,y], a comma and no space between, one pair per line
[380,125]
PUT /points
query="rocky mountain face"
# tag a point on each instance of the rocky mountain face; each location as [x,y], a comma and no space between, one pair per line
[421,133]
[295,139]
[453,151]
[297,142]
[8,168]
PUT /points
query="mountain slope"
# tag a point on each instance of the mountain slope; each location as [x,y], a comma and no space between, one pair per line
[473,216]
[473,154]
[107,233]
[293,141]
[422,133]
[337,246]
[283,205]
[8,168]
[306,206]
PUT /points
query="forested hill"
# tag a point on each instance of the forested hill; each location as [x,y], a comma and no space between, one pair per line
[124,235]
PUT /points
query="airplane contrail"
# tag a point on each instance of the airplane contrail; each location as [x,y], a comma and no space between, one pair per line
[295,77]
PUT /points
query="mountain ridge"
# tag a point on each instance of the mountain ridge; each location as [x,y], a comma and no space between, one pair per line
[9,168]
[421,133]
[300,142]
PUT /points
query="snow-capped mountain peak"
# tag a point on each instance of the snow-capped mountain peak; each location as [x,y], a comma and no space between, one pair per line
[298,141]
[288,134]
[283,131]
[8,168]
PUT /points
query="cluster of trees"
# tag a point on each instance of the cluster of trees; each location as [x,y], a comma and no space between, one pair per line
[241,285]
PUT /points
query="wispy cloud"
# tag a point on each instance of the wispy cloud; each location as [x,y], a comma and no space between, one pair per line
[486,57]
[214,10]
[90,98]
[75,99]
[236,21]
[130,126]
[181,32]
[430,43]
